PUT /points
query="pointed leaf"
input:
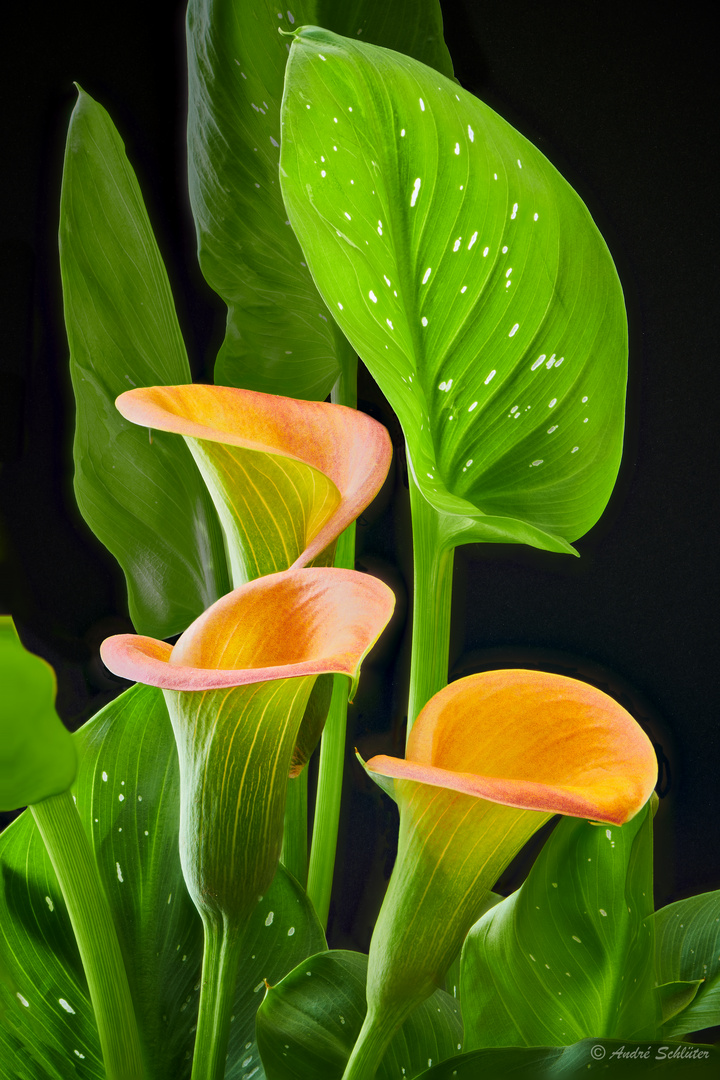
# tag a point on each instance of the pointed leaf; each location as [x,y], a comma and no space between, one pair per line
[472,281]
[570,954]
[128,796]
[286,476]
[37,756]
[307,1025]
[676,996]
[587,1058]
[142,496]
[687,948]
[280,336]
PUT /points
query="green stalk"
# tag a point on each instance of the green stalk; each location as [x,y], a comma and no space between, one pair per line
[70,853]
[294,850]
[221,959]
[327,804]
[332,746]
[372,1042]
[433,555]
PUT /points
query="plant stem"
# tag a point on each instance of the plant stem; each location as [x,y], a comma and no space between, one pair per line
[372,1042]
[72,858]
[294,850]
[219,975]
[332,746]
[327,804]
[433,554]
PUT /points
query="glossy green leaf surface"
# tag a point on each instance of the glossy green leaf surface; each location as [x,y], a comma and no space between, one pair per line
[472,281]
[687,948]
[591,1057]
[37,756]
[128,796]
[307,1025]
[280,336]
[139,492]
[570,955]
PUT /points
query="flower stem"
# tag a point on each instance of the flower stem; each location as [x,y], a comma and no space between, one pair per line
[72,858]
[433,555]
[327,804]
[372,1042]
[219,975]
[294,851]
[332,746]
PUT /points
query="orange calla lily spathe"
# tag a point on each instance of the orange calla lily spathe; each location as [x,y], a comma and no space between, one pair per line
[286,476]
[237,684]
[490,759]
[531,740]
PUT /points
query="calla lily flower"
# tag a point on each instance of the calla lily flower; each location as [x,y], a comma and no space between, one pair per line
[236,685]
[490,759]
[286,476]
[37,754]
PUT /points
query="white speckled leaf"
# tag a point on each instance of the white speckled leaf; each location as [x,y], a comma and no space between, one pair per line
[570,954]
[687,948]
[472,281]
[127,794]
[280,336]
[308,1024]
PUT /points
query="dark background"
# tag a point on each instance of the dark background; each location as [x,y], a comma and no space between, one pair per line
[623,101]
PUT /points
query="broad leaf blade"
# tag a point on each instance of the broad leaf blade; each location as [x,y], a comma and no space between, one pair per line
[280,336]
[308,1024]
[128,796]
[470,278]
[570,954]
[687,948]
[52,1035]
[141,494]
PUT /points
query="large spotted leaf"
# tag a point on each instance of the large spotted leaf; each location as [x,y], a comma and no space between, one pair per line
[570,955]
[127,794]
[687,957]
[307,1025]
[472,281]
[280,336]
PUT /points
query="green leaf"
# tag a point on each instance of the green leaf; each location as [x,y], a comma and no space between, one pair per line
[307,1025]
[676,996]
[570,954]
[37,756]
[587,1058]
[687,949]
[128,797]
[139,492]
[280,336]
[472,281]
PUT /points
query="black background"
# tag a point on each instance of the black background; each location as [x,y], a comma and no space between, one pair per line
[623,101]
